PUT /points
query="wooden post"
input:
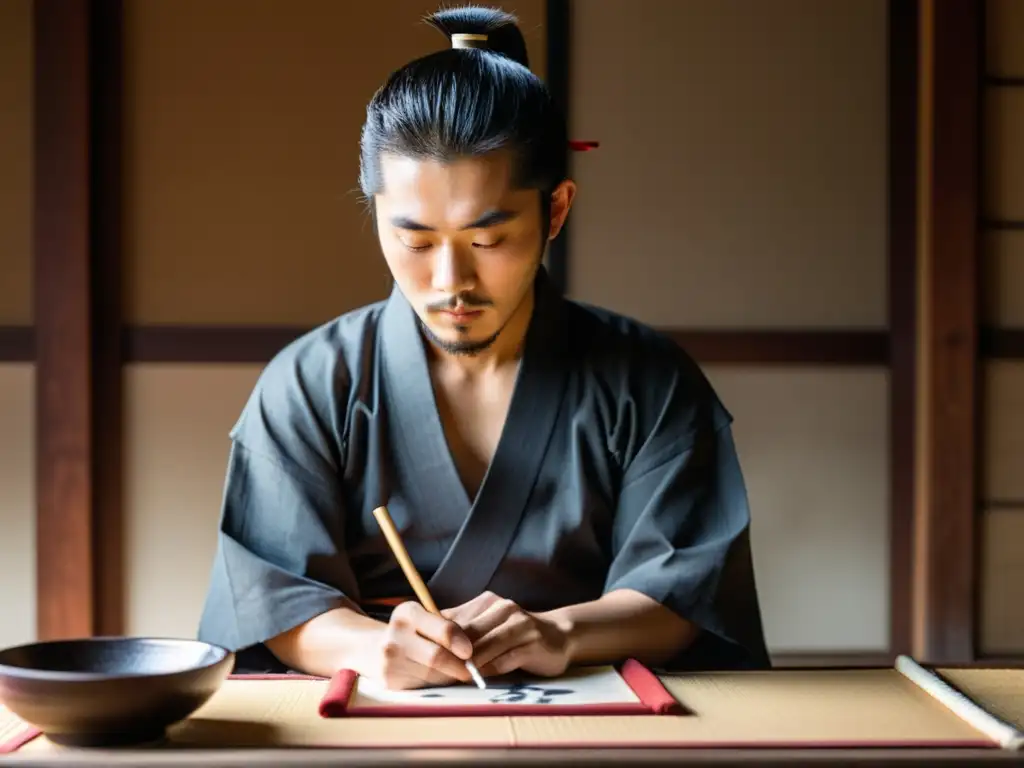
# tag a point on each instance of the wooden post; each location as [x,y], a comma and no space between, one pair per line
[902,130]
[559,26]
[945,436]
[76,321]
[63,320]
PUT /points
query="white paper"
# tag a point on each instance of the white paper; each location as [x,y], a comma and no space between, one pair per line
[588,685]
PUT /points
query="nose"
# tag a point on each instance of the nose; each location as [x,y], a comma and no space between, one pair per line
[453,271]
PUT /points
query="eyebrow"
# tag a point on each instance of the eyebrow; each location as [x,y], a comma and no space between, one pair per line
[490,219]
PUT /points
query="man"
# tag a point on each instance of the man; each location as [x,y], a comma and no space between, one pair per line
[564,478]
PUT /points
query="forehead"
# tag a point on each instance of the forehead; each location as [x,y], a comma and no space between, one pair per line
[428,189]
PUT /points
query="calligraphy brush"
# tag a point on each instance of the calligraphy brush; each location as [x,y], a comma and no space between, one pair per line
[413,576]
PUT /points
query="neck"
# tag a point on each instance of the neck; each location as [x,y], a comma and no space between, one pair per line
[506,349]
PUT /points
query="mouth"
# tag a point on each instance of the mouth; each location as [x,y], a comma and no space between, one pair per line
[461,314]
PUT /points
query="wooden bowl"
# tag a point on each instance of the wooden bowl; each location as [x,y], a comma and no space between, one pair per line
[110,691]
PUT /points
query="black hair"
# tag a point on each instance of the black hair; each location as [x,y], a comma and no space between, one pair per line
[467,102]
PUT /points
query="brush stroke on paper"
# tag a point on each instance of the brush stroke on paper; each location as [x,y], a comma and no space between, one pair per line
[592,685]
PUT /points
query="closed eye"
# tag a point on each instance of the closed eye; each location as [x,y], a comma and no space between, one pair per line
[428,246]
[410,247]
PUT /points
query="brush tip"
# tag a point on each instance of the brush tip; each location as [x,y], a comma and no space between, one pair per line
[477,677]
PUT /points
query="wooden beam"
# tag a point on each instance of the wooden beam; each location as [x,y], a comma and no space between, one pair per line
[63,321]
[997,81]
[17,344]
[772,347]
[1002,343]
[76,333]
[255,344]
[946,482]
[206,344]
[1002,505]
[902,200]
[1002,225]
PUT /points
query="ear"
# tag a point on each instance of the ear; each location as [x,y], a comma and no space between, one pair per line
[561,202]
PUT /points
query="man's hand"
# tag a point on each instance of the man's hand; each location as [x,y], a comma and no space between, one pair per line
[418,649]
[507,638]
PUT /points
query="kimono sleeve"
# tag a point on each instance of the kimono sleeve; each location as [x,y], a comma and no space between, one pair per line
[280,557]
[682,533]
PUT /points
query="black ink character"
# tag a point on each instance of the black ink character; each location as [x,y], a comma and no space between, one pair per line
[517,693]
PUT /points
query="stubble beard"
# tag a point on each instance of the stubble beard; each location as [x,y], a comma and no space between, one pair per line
[472,348]
[460,348]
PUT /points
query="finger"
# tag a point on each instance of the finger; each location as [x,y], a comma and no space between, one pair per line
[461,614]
[435,659]
[510,660]
[516,631]
[499,612]
[410,674]
[400,669]
[437,629]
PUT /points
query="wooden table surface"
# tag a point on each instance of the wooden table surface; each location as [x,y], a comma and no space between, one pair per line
[784,707]
[386,758]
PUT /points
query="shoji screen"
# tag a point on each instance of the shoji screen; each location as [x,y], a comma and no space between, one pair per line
[1001,622]
[242,122]
[17,510]
[741,184]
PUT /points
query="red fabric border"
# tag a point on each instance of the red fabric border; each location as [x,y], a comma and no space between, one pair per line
[650,690]
[17,742]
[654,700]
[335,701]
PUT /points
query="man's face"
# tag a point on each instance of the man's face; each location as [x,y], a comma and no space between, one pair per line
[462,243]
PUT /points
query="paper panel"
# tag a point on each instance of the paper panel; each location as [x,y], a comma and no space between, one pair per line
[813,445]
[999,691]
[1003,176]
[1003,430]
[241,153]
[177,419]
[719,198]
[603,685]
[17,504]
[15,162]
[1003,302]
[1004,38]
[1001,613]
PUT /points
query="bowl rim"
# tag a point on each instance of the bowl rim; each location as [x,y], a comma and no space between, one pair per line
[11,671]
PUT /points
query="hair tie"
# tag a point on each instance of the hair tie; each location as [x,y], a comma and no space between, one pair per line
[468,40]
[583,146]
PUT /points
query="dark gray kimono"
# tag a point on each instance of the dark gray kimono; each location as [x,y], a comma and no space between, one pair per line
[616,469]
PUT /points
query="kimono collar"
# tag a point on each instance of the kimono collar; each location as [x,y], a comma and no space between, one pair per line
[430,487]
